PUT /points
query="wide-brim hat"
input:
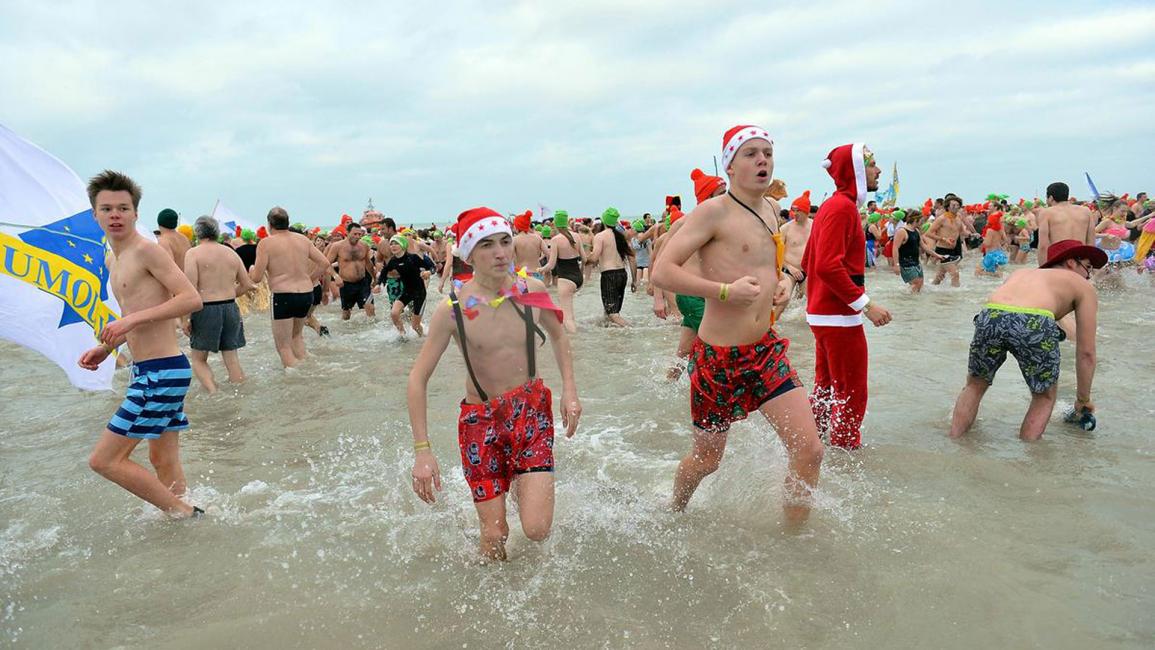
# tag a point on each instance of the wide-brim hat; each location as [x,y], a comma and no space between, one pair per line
[1073,249]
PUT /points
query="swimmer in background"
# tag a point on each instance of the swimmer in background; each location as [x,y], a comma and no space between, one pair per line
[355,266]
[528,245]
[795,233]
[691,307]
[565,262]
[153,293]
[220,277]
[505,428]
[908,244]
[993,249]
[946,235]
[293,265]
[1020,317]
[613,254]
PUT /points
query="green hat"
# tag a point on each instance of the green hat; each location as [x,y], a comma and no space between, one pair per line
[546,232]
[926,226]
[561,219]
[1020,223]
[874,217]
[367,240]
[167,218]
[248,236]
[898,215]
[639,225]
[299,226]
[611,217]
[437,234]
[401,241]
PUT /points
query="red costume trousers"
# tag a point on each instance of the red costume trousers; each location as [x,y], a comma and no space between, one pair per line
[839,397]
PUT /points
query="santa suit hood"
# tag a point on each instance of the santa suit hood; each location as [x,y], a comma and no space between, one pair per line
[835,256]
[847,166]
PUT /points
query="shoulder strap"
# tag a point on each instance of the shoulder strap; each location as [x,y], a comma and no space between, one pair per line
[464,349]
[531,328]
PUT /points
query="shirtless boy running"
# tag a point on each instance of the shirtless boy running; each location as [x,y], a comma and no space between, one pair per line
[796,233]
[946,235]
[153,293]
[505,428]
[739,364]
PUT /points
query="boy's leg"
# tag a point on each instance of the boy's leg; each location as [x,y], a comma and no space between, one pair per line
[967,406]
[111,460]
[535,499]
[164,454]
[1038,415]
[792,419]
[395,315]
[200,368]
[494,528]
[415,321]
[703,460]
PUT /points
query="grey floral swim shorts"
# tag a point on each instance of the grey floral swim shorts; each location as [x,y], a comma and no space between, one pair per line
[1031,335]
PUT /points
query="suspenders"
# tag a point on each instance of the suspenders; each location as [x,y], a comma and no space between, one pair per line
[531,328]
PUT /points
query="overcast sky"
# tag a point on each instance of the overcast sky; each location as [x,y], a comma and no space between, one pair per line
[433,108]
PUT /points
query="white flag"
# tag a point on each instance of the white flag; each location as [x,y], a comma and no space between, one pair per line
[54,294]
[229,220]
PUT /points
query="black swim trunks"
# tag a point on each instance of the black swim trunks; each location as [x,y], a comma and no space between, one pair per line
[292,305]
[357,293]
[415,300]
[950,254]
[317,295]
[614,290]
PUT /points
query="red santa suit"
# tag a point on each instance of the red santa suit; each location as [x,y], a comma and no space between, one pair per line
[834,262]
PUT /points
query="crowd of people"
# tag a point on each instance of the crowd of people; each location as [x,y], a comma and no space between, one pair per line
[726,271]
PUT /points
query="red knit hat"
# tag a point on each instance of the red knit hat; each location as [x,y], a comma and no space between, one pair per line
[738,136]
[475,225]
[705,185]
[802,203]
[675,214]
[521,223]
[262,232]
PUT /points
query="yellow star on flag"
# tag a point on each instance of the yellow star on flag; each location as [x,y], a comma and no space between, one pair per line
[71,244]
[87,258]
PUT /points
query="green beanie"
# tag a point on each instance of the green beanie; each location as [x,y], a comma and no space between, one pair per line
[611,217]
[874,217]
[546,232]
[1020,223]
[167,218]
[639,225]
[367,240]
[898,215]
[926,226]
[248,236]
[561,219]
[401,241]
[299,226]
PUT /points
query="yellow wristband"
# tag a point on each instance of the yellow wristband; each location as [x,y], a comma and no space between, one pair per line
[418,446]
[108,348]
[724,292]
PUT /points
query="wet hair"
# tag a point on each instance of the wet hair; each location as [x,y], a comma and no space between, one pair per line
[784,214]
[278,219]
[1058,191]
[206,227]
[624,249]
[110,181]
[813,209]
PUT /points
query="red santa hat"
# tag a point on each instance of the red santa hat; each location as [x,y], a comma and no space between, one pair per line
[738,136]
[802,203]
[475,225]
[705,185]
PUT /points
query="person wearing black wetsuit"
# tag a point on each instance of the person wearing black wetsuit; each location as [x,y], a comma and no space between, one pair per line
[413,271]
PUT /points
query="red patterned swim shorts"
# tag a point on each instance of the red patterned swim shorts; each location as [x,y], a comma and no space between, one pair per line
[508,435]
[727,383]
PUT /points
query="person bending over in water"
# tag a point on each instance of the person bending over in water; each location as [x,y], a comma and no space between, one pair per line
[152,293]
[1019,318]
[505,428]
[739,364]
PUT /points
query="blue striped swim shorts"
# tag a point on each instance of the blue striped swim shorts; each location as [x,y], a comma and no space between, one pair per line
[154,402]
